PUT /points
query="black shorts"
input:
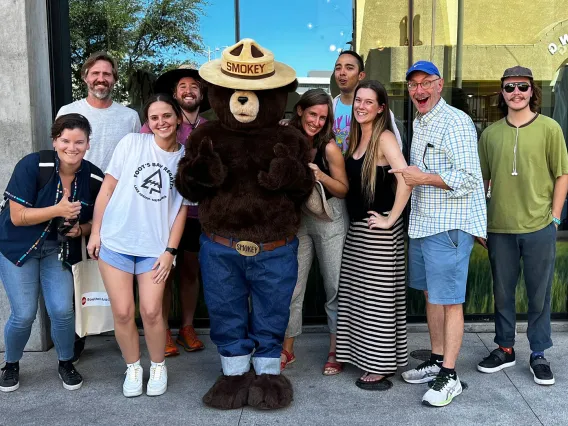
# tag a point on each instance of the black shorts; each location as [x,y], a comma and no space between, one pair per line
[190,238]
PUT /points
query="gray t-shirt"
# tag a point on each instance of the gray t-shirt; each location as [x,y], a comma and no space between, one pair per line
[109,126]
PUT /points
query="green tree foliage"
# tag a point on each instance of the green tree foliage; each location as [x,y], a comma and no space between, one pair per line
[147,35]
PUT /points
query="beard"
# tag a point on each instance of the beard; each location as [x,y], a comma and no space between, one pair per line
[100,93]
[191,106]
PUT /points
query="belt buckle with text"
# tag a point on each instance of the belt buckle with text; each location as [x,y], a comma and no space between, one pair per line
[247,248]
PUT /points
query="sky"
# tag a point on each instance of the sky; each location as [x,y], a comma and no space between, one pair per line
[305,34]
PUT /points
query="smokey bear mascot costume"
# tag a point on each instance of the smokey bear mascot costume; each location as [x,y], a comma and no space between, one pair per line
[250,177]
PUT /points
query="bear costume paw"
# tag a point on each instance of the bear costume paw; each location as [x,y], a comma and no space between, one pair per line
[270,391]
[283,171]
[229,392]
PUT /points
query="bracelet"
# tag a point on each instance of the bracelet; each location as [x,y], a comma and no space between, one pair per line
[556,220]
[23,217]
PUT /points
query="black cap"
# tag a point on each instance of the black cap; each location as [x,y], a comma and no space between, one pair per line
[517,71]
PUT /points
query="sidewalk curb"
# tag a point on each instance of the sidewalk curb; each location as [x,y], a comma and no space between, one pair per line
[470,327]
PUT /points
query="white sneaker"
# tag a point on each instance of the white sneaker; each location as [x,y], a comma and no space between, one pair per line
[424,373]
[158,382]
[443,391]
[133,381]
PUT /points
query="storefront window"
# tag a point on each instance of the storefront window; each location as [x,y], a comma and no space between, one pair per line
[472,43]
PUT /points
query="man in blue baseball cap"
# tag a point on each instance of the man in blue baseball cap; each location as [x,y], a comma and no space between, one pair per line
[447,211]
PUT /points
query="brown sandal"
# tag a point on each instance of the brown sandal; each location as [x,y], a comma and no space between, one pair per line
[290,358]
[336,366]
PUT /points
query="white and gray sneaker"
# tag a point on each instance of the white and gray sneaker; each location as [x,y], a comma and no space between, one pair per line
[443,391]
[133,381]
[424,373]
[158,382]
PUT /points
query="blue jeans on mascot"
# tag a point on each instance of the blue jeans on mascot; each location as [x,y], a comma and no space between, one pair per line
[241,329]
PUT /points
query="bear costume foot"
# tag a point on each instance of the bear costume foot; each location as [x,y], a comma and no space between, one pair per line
[229,392]
[270,391]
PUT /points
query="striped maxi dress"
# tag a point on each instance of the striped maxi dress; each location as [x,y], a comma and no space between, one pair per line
[371,327]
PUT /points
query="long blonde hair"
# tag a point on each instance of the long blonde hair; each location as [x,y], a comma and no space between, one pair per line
[381,123]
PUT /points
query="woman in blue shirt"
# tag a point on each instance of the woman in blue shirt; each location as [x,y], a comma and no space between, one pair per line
[48,205]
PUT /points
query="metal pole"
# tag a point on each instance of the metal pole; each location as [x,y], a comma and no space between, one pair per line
[433,40]
[459,46]
[60,53]
[354,24]
[237,22]
[409,109]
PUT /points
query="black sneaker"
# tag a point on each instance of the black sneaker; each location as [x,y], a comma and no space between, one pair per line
[72,380]
[78,348]
[10,379]
[496,361]
[540,368]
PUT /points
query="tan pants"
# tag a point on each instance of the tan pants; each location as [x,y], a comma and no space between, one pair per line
[326,239]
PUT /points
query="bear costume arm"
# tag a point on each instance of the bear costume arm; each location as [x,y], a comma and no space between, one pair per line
[289,170]
[201,171]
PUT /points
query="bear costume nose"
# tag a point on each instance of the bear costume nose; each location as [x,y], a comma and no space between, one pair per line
[243,99]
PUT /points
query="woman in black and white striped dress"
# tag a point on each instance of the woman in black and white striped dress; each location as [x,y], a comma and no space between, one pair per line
[371,330]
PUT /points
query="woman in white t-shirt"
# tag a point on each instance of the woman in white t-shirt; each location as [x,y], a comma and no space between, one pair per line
[138,221]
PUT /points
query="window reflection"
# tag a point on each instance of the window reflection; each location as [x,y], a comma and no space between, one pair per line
[472,43]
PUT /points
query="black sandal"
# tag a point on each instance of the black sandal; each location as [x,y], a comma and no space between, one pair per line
[375,385]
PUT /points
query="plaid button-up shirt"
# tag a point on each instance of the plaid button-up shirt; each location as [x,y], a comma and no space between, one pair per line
[445,143]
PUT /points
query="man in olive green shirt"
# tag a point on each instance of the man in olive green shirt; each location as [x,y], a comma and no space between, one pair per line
[524,157]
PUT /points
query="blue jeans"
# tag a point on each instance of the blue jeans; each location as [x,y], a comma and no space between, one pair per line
[42,270]
[229,279]
[538,251]
[439,264]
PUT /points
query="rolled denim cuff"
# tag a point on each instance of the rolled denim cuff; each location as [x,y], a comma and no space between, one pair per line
[235,365]
[266,365]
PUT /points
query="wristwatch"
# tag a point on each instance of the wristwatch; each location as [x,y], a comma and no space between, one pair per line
[171,250]
[556,220]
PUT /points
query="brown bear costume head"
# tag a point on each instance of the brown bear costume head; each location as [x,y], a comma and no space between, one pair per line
[249,109]
[251,83]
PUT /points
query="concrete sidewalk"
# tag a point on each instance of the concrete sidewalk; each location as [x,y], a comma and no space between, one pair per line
[508,397]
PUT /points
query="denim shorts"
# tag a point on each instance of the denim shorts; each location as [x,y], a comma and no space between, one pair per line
[439,264]
[132,264]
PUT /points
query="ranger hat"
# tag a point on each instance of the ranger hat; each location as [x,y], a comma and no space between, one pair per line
[247,66]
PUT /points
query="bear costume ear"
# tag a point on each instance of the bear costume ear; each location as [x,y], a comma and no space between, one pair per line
[292,86]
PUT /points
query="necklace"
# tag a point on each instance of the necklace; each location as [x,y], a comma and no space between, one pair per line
[193,125]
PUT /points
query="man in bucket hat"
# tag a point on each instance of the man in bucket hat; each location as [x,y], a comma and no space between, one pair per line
[187,88]
[524,157]
[251,177]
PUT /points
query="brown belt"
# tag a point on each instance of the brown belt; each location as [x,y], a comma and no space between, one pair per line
[248,248]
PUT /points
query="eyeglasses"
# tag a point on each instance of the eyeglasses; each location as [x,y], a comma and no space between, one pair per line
[510,87]
[426,84]
[428,145]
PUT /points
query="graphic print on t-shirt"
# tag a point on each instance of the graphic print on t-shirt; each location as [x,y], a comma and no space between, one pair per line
[153,182]
[148,181]
[342,125]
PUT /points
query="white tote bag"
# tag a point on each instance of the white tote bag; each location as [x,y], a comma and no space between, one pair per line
[93,314]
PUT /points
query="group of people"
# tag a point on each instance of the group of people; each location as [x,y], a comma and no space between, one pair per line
[357,162]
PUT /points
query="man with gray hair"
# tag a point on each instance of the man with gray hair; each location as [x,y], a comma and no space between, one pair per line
[447,212]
